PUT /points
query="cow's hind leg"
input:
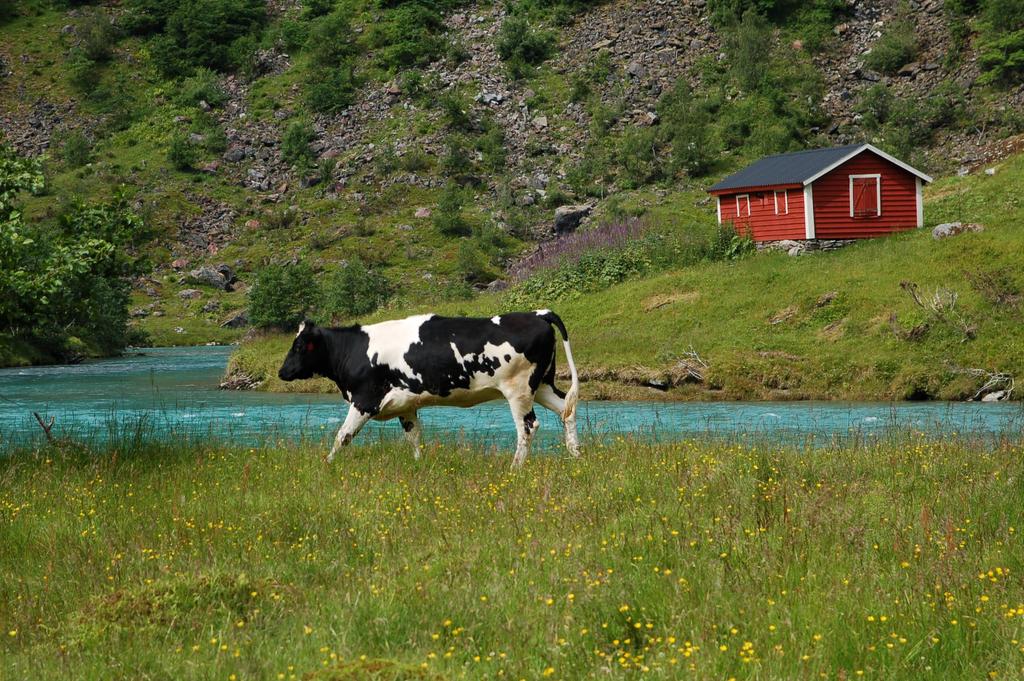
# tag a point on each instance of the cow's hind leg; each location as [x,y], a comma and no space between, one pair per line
[349,429]
[551,398]
[526,425]
[411,426]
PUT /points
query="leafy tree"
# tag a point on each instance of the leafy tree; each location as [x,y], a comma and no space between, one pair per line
[68,279]
[283,295]
[354,290]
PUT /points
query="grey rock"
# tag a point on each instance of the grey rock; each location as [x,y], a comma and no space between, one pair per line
[635,69]
[497,285]
[990,171]
[139,312]
[567,218]
[226,272]
[234,155]
[179,329]
[996,396]
[209,276]
[190,294]
[238,320]
[948,229]
[211,306]
[796,250]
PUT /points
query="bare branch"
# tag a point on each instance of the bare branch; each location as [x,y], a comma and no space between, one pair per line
[47,427]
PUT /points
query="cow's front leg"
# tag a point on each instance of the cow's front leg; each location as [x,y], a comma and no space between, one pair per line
[352,425]
[411,426]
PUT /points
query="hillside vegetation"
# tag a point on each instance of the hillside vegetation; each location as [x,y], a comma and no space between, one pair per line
[897,560]
[838,324]
[428,143]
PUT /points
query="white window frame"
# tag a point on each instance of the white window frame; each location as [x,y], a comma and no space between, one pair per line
[785,195]
[738,213]
[878,192]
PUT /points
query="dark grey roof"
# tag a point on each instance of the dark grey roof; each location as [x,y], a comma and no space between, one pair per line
[792,168]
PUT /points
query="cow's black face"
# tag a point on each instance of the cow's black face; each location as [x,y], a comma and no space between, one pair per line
[303,360]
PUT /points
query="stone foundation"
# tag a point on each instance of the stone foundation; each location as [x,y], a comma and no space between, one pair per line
[798,246]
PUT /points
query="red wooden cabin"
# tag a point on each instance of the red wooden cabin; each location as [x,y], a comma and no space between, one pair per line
[852,192]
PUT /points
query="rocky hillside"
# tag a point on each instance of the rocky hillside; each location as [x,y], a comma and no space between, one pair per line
[368,179]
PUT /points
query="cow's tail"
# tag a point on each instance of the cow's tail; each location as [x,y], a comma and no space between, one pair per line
[573,396]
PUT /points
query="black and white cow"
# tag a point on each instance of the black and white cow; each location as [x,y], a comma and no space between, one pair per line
[394,368]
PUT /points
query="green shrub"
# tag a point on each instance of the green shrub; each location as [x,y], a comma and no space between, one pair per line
[473,265]
[521,46]
[210,33]
[311,9]
[354,290]
[456,53]
[414,161]
[215,140]
[331,41]
[638,156]
[1002,59]
[491,145]
[181,153]
[83,73]
[685,124]
[332,90]
[326,170]
[295,144]
[456,112]
[290,35]
[96,35]
[202,86]
[746,45]
[896,47]
[447,217]
[408,35]
[457,161]
[283,295]
[76,151]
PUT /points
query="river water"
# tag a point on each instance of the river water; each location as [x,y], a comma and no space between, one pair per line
[173,392]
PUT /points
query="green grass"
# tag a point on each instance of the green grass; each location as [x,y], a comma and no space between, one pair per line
[843,350]
[900,560]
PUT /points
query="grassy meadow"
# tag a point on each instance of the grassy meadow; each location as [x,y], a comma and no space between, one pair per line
[896,560]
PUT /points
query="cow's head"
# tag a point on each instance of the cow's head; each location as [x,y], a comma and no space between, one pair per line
[306,355]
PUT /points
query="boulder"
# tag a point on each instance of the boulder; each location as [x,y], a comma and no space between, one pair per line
[997,396]
[190,294]
[234,155]
[209,276]
[179,264]
[948,229]
[238,320]
[226,272]
[567,218]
